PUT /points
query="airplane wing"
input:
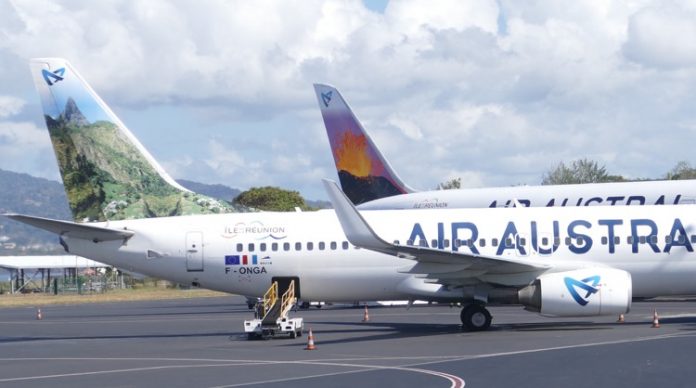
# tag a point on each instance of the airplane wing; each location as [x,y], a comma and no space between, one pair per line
[434,263]
[72,229]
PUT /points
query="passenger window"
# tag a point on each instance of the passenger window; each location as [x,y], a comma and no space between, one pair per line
[580,241]
[693,238]
[423,243]
[433,243]
[310,246]
[641,239]
[630,239]
[470,243]
[240,247]
[557,241]
[523,241]
[445,243]
[333,245]
[298,246]
[668,239]
[482,242]
[653,239]
[508,242]
[544,241]
[322,246]
[457,243]
[344,245]
[494,242]
[274,247]
[605,240]
[251,247]
[680,239]
[567,241]
[617,240]
[286,246]
[263,247]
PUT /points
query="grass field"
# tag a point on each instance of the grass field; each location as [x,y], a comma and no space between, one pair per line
[38,300]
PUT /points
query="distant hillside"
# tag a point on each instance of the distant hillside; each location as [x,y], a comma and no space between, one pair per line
[216,191]
[25,194]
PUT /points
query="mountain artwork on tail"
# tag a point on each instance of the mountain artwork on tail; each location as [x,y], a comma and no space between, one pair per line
[365,175]
[107,173]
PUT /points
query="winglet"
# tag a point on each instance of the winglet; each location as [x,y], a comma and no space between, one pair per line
[363,171]
[356,229]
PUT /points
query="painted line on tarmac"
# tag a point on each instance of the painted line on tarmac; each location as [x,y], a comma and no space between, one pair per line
[455,381]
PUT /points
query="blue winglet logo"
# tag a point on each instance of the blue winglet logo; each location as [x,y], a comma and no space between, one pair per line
[55,76]
[326,98]
[588,284]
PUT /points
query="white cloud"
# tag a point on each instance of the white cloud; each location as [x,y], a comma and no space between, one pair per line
[663,36]
[10,106]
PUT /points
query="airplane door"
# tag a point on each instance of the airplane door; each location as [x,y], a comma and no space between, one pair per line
[194,251]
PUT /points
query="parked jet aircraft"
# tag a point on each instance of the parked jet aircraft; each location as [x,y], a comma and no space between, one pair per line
[557,261]
[371,183]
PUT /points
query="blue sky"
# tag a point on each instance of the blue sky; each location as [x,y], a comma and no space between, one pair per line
[495,92]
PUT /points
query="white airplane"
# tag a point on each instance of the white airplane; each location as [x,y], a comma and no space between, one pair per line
[557,261]
[371,183]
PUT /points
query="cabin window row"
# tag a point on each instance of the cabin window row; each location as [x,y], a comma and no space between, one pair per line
[297,246]
[545,241]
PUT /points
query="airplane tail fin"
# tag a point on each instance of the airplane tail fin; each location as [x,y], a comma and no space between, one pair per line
[107,173]
[365,174]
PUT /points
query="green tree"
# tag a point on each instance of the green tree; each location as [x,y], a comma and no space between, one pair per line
[579,171]
[271,199]
[683,170]
[454,183]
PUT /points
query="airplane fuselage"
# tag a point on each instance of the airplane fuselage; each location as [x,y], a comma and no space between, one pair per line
[671,192]
[242,253]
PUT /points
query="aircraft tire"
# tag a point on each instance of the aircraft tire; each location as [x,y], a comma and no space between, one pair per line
[475,317]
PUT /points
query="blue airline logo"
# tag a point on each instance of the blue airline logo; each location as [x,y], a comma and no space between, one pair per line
[55,76]
[326,98]
[589,285]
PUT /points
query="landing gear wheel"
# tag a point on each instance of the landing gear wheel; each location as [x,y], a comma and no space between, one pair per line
[476,317]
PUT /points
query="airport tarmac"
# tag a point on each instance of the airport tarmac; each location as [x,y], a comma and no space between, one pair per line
[200,343]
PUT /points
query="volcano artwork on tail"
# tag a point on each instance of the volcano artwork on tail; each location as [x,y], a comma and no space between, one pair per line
[108,174]
[363,172]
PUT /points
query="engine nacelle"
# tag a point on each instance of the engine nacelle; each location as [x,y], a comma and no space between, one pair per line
[581,292]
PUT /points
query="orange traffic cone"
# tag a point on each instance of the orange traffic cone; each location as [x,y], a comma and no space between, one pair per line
[656,321]
[621,319]
[39,316]
[310,341]
[366,316]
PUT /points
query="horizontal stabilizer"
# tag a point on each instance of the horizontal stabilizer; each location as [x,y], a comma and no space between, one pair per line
[73,230]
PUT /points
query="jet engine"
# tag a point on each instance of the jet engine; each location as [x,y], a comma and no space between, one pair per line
[581,292]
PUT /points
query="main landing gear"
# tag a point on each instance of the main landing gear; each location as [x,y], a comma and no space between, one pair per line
[475,317]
